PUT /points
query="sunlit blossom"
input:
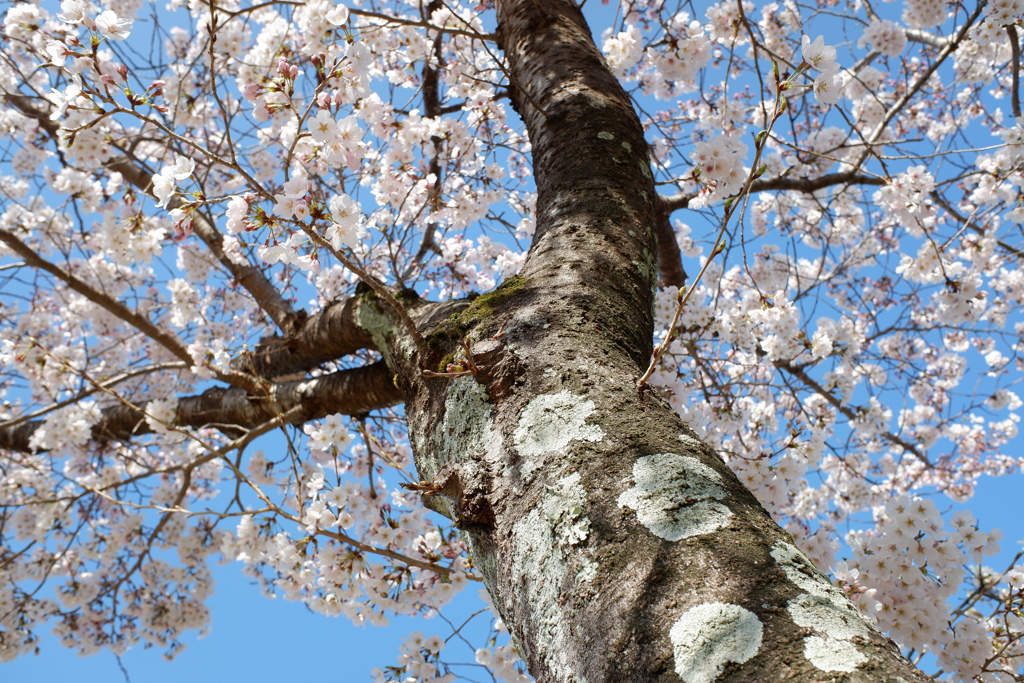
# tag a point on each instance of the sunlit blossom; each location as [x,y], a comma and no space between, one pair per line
[112,26]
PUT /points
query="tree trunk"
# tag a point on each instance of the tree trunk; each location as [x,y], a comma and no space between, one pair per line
[616,546]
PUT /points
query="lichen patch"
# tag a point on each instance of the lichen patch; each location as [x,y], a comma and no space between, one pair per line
[587,572]
[708,636]
[690,441]
[565,505]
[829,654]
[535,555]
[839,621]
[824,609]
[800,570]
[467,421]
[551,421]
[676,496]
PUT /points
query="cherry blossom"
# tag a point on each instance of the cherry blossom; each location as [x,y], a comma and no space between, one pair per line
[851,348]
[73,11]
[112,26]
[338,16]
[63,100]
[819,55]
[323,127]
[828,87]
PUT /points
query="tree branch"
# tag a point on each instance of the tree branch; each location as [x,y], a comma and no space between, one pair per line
[670,259]
[115,308]
[1015,68]
[847,412]
[670,263]
[327,335]
[431,110]
[784,183]
[925,37]
[248,276]
[422,24]
[119,310]
[351,392]
[97,387]
[949,47]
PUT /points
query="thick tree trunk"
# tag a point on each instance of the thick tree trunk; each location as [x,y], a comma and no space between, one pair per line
[616,545]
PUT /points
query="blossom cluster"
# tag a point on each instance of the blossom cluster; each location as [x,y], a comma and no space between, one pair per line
[828,84]
[417,662]
[905,570]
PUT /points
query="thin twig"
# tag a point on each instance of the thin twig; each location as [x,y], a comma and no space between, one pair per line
[730,208]
[1015,68]
[119,310]
[117,379]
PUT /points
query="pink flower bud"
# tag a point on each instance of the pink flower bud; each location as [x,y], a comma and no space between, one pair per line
[293,72]
[323,100]
[122,71]
[337,99]
[251,91]
[282,67]
[107,79]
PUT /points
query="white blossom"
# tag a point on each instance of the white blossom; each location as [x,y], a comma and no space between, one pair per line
[113,27]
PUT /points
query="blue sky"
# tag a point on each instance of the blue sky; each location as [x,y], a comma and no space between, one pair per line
[256,639]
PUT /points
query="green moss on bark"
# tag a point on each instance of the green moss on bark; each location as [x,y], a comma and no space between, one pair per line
[479,313]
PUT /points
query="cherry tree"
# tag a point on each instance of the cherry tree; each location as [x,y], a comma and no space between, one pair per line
[665,317]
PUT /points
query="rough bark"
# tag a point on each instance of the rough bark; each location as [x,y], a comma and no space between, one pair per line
[324,336]
[616,545]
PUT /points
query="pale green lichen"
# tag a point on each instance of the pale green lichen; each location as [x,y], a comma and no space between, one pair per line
[824,609]
[829,654]
[535,554]
[604,135]
[676,496]
[374,321]
[645,168]
[806,576]
[539,546]
[708,636]
[690,441]
[466,424]
[841,622]
[564,506]
[800,570]
[550,422]
[587,571]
